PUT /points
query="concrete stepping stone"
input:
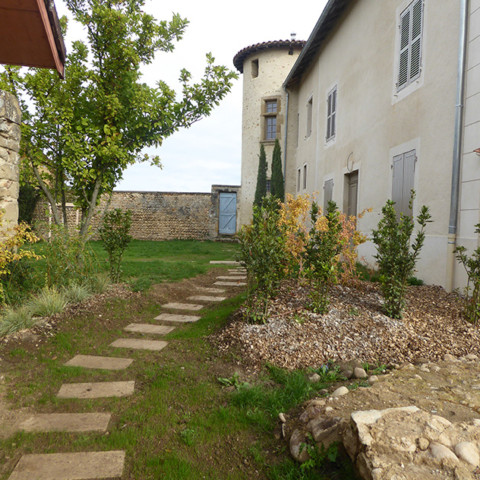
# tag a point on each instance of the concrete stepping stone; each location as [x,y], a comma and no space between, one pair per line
[70,466]
[229,284]
[211,289]
[104,363]
[183,306]
[173,317]
[96,390]
[66,422]
[224,262]
[149,328]
[139,344]
[232,277]
[206,298]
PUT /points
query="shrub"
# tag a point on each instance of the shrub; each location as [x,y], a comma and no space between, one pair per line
[76,293]
[115,237]
[48,302]
[262,248]
[278,187]
[261,188]
[396,254]
[13,320]
[472,290]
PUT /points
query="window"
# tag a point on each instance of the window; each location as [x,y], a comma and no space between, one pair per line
[410,54]
[270,110]
[403,176]
[305,177]
[331,114]
[299,175]
[255,68]
[351,194]
[309,116]
[327,193]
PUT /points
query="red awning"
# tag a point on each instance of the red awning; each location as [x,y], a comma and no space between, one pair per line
[30,34]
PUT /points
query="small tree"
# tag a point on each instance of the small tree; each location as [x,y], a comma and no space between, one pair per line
[261,190]
[278,188]
[114,234]
[472,290]
[396,254]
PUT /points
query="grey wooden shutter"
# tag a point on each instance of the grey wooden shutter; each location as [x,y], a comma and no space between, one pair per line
[403,177]
[416,48]
[327,193]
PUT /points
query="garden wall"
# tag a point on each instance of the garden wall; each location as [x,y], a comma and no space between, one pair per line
[10,119]
[156,215]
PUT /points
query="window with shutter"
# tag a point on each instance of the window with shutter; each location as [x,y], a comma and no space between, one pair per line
[410,55]
[327,193]
[403,177]
[331,114]
[309,116]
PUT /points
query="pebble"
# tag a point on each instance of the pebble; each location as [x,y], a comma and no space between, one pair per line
[339,392]
[468,452]
[372,379]
[315,378]
[282,418]
[328,409]
[449,358]
[423,443]
[441,452]
[359,372]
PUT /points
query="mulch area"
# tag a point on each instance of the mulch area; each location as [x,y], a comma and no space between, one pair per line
[354,329]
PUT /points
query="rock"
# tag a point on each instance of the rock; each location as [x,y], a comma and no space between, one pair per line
[297,446]
[449,358]
[468,452]
[328,409]
[471,357]
[359,372]
[442,453]
[423,443]
[315,378]
[339,392]
[372,379]
[325,430]
[282,418]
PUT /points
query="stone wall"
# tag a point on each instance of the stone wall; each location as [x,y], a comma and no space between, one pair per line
[156,215]
[10,118]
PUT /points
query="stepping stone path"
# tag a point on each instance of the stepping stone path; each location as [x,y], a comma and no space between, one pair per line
[173,317]
[103,363]
[230,284]
[96,390]
[206,298]
[70,466]
[139,344]
[105,465]
[67,422]
[148,328]
[183,306]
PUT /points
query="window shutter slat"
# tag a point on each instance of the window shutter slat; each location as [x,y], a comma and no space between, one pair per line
[417,20]
[403,71]
[415,59]
[405,30]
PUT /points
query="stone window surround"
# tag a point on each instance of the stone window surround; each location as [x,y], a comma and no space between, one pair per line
[264,114]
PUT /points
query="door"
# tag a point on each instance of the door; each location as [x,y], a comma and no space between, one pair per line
[227,217]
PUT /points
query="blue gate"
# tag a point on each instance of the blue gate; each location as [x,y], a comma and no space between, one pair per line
[227,217]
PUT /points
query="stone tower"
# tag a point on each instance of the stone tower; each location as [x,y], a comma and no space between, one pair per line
[265,67]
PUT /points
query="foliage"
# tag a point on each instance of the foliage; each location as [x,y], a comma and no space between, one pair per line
[115,237]
[76,293]
[472,290]
[47,302]
[28,197]
[262,248]
[13,320]
[68,259]
[261,188]
[277,185]
[396,254]
[81,133]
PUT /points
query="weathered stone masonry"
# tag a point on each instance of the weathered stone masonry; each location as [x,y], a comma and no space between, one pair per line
[10,119]
[158,215]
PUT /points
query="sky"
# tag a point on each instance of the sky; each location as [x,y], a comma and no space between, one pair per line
[209,152]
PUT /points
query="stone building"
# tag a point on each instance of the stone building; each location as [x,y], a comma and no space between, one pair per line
[264,67]
[384,98]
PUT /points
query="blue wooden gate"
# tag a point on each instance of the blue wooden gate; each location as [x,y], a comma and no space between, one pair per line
[227,217]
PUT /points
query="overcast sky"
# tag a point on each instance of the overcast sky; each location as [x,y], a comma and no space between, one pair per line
[209,152]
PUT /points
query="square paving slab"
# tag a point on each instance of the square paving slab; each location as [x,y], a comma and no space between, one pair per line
[229,284]
[104,363]
[211,289]
[70,466]
[183,306]
[232,277]
[224,262]
[139,344]
[148,328]
[66,422]
[206,298]
[96,390]
[173,317]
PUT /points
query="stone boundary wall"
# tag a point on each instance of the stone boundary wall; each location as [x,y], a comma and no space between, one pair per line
[156,215]
[10,119]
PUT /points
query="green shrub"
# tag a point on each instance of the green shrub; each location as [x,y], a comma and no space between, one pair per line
[472,290]
[98,282]
[262,247]
[115,237]
[396,254]
[76,293]
[13,320]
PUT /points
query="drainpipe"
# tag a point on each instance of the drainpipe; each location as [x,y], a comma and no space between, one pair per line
[285,141]
[457,144]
